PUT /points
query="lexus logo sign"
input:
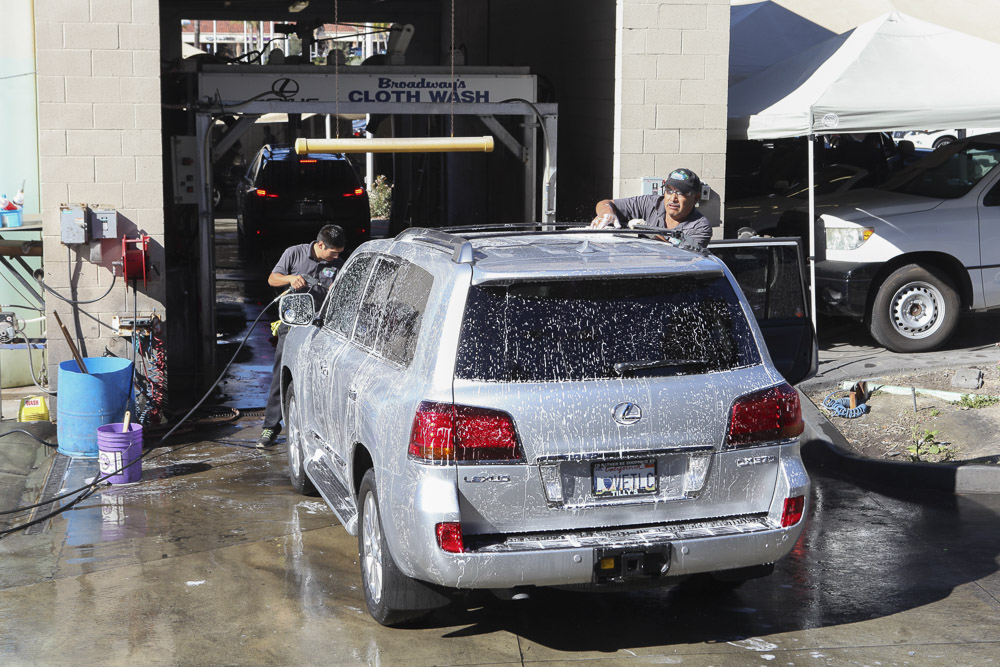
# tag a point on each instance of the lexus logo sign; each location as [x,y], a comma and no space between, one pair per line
[285,87]
[627,413]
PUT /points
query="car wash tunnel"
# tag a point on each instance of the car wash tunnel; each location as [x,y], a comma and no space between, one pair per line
[167,267]
[136,305]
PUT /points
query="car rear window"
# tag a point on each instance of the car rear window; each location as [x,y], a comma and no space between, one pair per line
[334,176]
[581,329]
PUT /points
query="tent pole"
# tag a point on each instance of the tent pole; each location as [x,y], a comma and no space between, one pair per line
[812,230]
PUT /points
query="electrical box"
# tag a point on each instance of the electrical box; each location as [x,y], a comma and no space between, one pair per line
[8,327]
[654,186]
[127,325]
[103,222]
[73,227]
[185,169]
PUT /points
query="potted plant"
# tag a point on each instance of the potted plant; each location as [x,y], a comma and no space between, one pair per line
[380,201]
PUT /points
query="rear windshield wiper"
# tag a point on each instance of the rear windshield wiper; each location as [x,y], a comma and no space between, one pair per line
[623,367]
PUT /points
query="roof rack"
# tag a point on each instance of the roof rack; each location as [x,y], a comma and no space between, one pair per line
[460,247]
[462,252]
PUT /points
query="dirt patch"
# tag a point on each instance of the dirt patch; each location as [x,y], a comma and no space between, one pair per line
[937,430]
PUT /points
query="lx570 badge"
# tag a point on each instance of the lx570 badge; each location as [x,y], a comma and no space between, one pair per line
[756,460]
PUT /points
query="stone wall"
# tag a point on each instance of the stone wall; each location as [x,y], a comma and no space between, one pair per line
[98,65]
[671,93]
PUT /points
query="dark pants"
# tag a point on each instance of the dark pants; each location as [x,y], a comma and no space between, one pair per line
[272,415]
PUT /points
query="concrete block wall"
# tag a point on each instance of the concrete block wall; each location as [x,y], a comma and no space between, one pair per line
[98,67]
[672,69]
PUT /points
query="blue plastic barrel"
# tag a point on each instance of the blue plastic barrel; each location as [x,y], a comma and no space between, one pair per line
[120,453]
[88,400]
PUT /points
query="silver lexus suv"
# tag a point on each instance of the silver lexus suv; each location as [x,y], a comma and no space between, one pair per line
[496,408]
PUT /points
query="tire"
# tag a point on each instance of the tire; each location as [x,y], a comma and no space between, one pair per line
[382,581]
[296,455]
[943,141]
[915,310]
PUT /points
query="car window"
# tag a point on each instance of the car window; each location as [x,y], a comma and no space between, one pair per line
[580,329]
[341,306]
[403,314]
[769,277]
[252,171]
[309,174]
[827,181]
[373,303]
[948,173]
[992,197]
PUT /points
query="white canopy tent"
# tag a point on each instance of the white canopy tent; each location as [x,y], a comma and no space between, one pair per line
[894,72]
[764,33]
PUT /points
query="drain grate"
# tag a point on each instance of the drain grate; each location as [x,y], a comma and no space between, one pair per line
[53,484]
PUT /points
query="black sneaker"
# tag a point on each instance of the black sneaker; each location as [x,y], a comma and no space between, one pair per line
[267,437]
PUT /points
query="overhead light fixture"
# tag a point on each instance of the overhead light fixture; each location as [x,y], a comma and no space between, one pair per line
[298,6]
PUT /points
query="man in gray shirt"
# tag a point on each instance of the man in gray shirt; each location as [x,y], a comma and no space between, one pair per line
[673,210]
[318,261]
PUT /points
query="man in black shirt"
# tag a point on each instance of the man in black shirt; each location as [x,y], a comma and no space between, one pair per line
[320,261]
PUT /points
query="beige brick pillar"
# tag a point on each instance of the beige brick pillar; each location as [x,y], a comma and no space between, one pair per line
[672,69]
[98,68]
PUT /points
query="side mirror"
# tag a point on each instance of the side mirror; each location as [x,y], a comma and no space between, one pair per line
[297,309]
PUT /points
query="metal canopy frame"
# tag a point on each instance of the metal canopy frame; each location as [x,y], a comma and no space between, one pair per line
[209,106]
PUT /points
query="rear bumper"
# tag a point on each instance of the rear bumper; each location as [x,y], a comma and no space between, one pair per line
[574,559]
[842,288]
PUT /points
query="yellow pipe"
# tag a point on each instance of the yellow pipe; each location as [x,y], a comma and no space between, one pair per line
[396,145]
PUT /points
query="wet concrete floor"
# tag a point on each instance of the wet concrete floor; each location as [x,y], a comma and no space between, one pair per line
[214,559]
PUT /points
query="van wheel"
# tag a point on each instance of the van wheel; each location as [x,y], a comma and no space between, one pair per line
[943,141]
[296,453]
[382,581]
[915,310]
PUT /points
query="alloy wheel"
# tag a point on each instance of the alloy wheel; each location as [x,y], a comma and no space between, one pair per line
[372,556]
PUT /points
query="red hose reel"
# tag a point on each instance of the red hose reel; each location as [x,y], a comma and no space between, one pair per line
[135,258]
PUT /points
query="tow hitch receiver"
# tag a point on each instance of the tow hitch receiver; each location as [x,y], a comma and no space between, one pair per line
[615,565]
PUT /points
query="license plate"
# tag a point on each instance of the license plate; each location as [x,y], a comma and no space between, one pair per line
[613,479]
[310,209]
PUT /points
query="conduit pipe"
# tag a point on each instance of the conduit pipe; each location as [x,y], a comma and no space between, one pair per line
[396,145]
[949,396]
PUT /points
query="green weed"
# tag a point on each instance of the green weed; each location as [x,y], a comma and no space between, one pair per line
[975,401]
[926,444]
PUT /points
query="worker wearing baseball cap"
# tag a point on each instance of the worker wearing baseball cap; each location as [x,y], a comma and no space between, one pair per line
[674,209]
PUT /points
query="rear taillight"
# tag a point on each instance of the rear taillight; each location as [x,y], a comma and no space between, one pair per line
[264,193]
[445,432]
[765,416]
[356,192]
[449,537]
[792,512]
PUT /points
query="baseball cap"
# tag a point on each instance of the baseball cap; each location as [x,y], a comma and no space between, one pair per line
[684,180]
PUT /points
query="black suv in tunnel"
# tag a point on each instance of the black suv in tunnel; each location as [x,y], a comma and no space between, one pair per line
[285,198]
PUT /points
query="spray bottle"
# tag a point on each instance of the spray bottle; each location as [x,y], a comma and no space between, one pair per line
[19,197]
